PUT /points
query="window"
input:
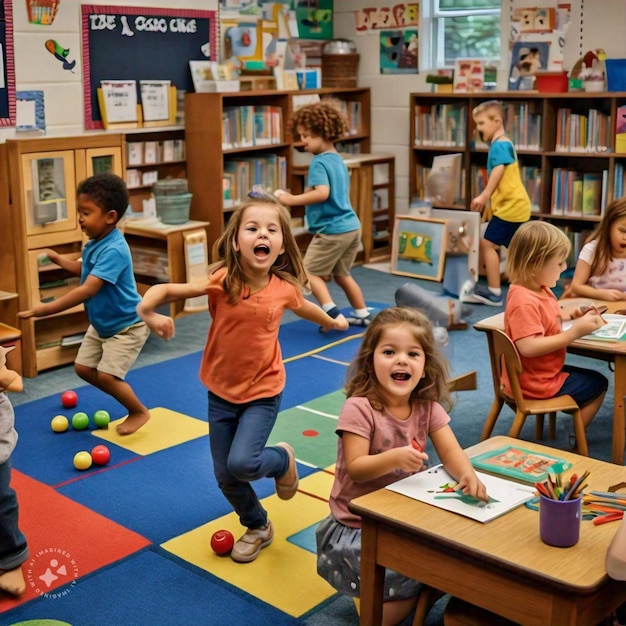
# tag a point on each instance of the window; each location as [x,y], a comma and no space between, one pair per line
[463,28]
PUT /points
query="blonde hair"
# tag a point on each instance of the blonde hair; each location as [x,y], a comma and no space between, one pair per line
[532,246]
[491,108]
[288,266]
[433,387]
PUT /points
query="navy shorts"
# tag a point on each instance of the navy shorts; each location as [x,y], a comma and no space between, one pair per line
[500,231]
[583,385]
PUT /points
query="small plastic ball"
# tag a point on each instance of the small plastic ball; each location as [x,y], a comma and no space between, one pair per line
[80,421]
[222,542]
[69,399]
[82,460]
[100,455]
[101,418]
[59,423]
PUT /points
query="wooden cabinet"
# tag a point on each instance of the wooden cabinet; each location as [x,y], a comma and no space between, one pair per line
[38,211]
[227,139]
[567,145]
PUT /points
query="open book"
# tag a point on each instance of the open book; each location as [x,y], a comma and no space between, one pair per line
[435,486]
[615,328]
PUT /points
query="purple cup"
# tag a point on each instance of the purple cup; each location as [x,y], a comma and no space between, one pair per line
[559,521]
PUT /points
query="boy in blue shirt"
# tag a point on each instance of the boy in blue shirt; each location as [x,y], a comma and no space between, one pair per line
[330,217]
[108,290]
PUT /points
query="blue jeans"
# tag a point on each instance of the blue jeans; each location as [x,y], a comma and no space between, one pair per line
[13,548]
[238,434]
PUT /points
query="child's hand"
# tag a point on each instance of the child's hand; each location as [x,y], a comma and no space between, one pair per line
[338,323]
[587,323]
[26,314]
[52,255]
[478,203]
[613,295]
[161,325]
[409,459]
[282,196]
[471,485]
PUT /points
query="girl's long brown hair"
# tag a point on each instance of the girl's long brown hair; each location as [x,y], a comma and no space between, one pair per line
[288,266]
[602,234]
[362,381]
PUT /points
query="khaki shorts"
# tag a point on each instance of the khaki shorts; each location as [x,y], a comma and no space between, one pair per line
[332,255]
[112,355]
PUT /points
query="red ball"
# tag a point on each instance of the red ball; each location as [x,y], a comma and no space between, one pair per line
[222,542]
[69,399]
[100,455]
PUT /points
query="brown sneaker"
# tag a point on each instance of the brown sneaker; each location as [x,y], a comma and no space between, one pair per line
[248,547]
[287,484]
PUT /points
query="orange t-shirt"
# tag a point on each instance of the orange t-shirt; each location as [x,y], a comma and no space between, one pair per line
[242,360]
[528,313]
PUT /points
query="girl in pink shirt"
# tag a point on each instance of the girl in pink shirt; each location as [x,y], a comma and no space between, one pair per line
[533,316]
[260,276]
[395,386]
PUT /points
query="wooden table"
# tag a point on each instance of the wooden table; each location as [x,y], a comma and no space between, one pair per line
[612,351]
[501,566]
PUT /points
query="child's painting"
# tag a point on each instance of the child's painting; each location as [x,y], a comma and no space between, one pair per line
[398,51]
[527,58]
[419,247]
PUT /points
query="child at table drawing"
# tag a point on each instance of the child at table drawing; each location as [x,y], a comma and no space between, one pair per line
[510,204]
[13,546]
[601,266]
[395,387]
[532,319]
[108,290]
[330,217]
[260,275]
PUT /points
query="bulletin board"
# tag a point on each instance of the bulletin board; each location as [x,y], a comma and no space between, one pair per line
[7,66]
[134,43]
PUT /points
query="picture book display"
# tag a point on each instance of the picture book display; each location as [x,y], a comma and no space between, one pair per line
[520,464]
[436,487]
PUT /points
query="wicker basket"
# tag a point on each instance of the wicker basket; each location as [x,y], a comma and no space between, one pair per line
[339,70]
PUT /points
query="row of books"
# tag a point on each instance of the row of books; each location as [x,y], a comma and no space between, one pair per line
[619,183]
[240,174]
[522,124]
[150,152]
[577,238]
[251,125]
[352,112]
[576,193]
[440,125]
[577,132]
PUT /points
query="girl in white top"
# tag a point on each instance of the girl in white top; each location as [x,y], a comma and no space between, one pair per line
[601,267]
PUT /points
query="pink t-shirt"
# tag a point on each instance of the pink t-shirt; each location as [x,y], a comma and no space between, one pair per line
[615,275]
[242,360]
[383,432]
[528,313]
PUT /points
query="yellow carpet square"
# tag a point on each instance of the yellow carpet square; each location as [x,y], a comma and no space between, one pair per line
[165,429]
[284,575]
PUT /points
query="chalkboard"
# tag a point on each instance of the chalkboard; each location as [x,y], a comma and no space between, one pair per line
[134,43]
[7,65]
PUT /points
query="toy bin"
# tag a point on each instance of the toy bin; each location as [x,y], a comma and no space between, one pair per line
[173,201]
[552,82]
[615,74]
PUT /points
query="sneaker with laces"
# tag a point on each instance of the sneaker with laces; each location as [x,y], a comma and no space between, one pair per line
[287,484]
[484,295]
[360,321]
[251,543]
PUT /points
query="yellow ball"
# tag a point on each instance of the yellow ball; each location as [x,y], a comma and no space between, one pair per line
[82,460]
[59,424]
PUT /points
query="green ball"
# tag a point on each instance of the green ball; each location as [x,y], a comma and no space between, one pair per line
[101,418]
[80,421]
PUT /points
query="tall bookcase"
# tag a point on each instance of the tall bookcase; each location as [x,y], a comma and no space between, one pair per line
[571,157]
[217,127]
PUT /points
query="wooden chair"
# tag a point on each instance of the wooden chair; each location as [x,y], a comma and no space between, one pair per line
[506,355]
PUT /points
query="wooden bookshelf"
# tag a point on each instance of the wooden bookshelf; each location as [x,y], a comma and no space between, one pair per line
[552,153]
[209,148]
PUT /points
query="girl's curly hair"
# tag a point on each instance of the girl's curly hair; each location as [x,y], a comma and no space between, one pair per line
[323,119]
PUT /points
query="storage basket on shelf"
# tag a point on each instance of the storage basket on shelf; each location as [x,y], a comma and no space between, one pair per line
[173,200]
[340,63]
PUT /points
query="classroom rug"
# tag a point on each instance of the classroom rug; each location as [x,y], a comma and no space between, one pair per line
[129,542]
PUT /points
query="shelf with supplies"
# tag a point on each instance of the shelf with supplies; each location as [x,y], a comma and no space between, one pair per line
[571,149]
[252,145]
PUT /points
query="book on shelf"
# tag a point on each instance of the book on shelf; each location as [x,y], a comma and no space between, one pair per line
[592,193]
[134,153]
[620,130]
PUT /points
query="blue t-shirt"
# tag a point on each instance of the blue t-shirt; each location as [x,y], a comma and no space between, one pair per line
[335,215]
[113,308]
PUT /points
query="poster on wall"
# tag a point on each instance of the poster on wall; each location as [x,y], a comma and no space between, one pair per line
[527,58]
[7,66]
[399,15]
[134,43]
[398,51]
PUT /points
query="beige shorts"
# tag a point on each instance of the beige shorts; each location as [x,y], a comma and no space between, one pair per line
[332,255]
[112,355]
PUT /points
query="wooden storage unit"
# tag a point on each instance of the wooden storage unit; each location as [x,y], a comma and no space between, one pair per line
[158,151]
[541,149]
[206,153]
[38,209]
